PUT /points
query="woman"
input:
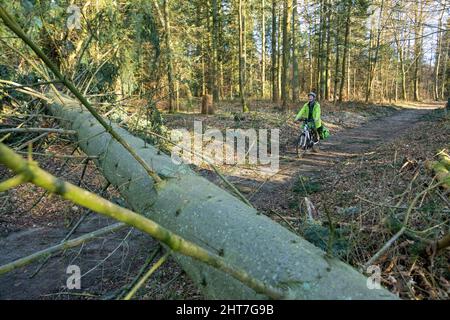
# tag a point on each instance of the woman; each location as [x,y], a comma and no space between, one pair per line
[311,112]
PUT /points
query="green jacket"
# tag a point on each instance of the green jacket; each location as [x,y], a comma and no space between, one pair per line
[304,113]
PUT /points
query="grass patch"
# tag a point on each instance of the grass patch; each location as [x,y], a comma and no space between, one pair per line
[320,236]
[305,186]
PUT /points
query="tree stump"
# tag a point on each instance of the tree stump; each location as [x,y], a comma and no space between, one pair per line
[207,104]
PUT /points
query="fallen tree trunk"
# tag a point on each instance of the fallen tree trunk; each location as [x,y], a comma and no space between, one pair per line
[201,212]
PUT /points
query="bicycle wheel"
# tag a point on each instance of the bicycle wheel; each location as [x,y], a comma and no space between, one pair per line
[301,145]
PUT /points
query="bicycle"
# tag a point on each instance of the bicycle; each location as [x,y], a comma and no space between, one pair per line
[305,141]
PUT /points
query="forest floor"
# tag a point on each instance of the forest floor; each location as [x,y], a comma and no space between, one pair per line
[372,156]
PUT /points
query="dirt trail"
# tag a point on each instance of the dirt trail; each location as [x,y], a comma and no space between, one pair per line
[362,139]
[52,278]
[341,145]
[106,265]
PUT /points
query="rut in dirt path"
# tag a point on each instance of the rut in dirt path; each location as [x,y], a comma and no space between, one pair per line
[341,145]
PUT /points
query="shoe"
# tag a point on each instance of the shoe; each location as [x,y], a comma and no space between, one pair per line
[315,149]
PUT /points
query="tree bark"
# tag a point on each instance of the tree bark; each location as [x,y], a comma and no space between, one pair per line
[336,66]
[445,80]
[279,46]
[346,44]
[328,50]
[275,97]
[287,8]
[402,66]
[263,48]
[418,44]
[320,42]
[169,56]
[241,59]
[214,48]
[440,36]
[373,66]
[294,52]
[207,104]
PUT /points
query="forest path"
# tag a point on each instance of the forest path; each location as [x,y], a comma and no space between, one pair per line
[342,145]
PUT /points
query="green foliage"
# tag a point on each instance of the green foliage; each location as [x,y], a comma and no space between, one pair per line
[305,186]
[430,207]
[320,236]
[6,72]
[105,78]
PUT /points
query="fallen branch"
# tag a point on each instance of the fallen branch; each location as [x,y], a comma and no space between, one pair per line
[97,204]
[19,86]
[119,293]
[285,220]
[59,247]
[13,182]
[55,155]
[403,228]
[31,117]
[142,281]
[68,235]
[49,130]
[29,142]
[380,204]
[27,91]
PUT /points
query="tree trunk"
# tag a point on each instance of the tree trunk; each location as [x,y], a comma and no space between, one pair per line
[263,48]
[418,41]
[312,74]
[241,59]
[369,62]
[336,65]
[349,55]
[321,53]
[169,56]
[328,52]
[207,104]
[200,89]
[344,57]
[203,76]
[214,46]
[373,66]
[445,79]
[286,52]
[274,53]
[440,36]
[279,46]
[402,73]
[198,210]
[294,52]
